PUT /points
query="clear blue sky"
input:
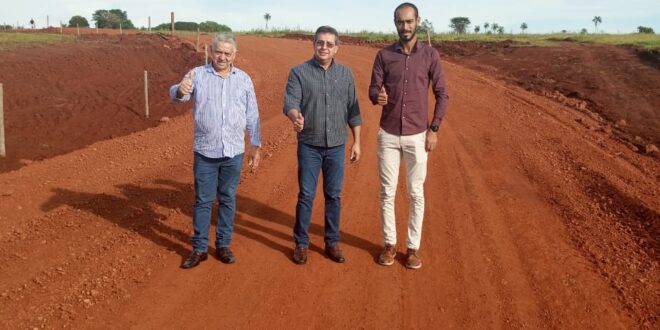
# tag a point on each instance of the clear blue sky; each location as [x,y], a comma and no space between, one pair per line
[542,16]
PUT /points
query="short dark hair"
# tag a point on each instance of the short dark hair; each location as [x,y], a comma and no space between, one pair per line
[404,5]
[326,29]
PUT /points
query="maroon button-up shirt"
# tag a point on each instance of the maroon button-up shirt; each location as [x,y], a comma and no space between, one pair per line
[406,79]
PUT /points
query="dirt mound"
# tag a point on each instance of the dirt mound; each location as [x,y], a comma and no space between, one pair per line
[69,95]
[621,84]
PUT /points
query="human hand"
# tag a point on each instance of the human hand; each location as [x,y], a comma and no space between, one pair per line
[254,158]
[382,96]
[431,140]
[298,122]
[186,85]
[355,152]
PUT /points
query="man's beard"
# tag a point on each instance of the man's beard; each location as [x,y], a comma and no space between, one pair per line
[412,36]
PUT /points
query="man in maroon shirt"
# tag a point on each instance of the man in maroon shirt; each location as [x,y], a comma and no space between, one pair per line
[400,80]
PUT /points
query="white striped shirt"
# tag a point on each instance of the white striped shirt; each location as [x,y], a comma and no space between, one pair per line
[223,108]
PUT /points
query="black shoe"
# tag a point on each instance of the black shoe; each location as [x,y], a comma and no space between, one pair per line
[194,259]
[225,255]
[334,253]
[300,255]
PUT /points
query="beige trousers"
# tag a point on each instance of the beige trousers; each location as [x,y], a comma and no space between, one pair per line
[391,149]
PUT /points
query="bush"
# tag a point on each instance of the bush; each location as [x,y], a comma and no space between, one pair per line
[644,29]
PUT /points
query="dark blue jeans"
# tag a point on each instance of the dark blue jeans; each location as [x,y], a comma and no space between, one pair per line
[312,160]
[215,177]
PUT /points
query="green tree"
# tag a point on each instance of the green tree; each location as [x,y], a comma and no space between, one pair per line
[184,26]
[645,29]
[584,31]
[426,26]
[267,17]
[112,19]
[210,26]
[486,26]
[78,20]
[523,27]
[459,24]
[32,23]
[597,20]
[477,28]
[500,30]
[495,27]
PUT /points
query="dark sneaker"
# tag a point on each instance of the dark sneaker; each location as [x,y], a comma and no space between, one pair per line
[386,257]
[194,259]
[413,261]
[334,253]
[300,255]
[225,255]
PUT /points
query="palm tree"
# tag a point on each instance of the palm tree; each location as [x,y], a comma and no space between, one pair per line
[267,17]
[477,28]
[495,27]
[523,27]
[486,25]
[32,23]
[597,20]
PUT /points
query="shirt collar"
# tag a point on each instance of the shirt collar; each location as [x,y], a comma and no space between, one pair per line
[316,63]
[399,48]
[210,69]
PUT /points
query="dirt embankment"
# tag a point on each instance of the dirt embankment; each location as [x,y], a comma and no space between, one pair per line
[621,84]
[69,95]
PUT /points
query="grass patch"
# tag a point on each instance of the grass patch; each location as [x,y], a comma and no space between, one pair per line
[644,41]
[12,40]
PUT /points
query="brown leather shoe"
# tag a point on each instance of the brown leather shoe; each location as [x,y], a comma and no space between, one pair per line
[300,255]
[194,259]
[225,255]
[386,257]
[334,253]
[413,261]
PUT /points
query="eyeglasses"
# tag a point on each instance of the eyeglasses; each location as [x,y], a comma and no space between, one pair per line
[320,43]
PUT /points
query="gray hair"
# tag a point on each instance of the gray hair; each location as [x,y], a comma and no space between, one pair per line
[223,37]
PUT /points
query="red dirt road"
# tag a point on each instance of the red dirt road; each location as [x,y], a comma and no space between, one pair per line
[532,220]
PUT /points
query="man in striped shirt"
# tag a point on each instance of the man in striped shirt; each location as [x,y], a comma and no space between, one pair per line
[320,101]
[224,106]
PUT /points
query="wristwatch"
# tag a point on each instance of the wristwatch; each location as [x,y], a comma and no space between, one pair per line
[434,128]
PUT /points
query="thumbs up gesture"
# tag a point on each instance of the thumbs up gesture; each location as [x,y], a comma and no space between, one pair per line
[382,96]
[186,85]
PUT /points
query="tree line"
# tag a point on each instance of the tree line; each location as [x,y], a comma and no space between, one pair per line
[116,18]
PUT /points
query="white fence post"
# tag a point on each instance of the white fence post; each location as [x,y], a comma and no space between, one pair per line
[146,94]
[3,152]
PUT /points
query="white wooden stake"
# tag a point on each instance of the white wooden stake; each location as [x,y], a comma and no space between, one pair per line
[206,54]
[197,44]
[78,29]
[428,36]
[3,153]
[146,94]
